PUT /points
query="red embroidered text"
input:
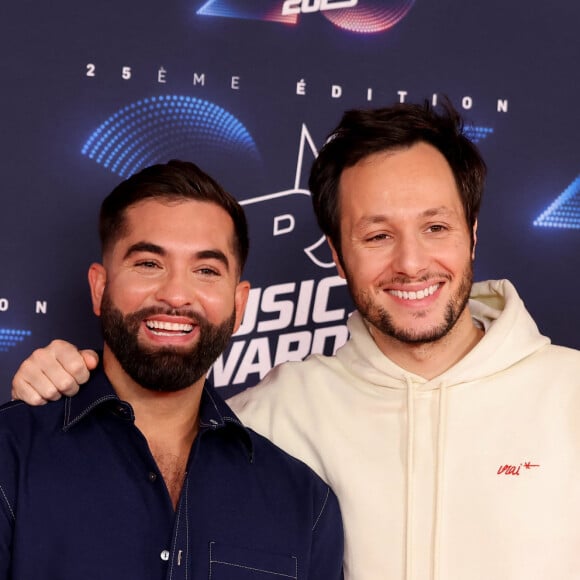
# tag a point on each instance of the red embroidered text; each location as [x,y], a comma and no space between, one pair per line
[515,469]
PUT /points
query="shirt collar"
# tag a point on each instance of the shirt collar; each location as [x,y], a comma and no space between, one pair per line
[214,412]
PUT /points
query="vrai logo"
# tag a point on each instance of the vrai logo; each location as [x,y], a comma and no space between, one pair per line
[358,16]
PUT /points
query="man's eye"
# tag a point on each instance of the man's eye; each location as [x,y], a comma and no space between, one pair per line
[437,228]
[146,264]
[208,272]
[378,237]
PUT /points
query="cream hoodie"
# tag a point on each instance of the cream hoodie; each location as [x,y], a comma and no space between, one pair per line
[472,475]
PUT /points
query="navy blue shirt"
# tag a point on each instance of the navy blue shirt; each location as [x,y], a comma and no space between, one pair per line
[82,497]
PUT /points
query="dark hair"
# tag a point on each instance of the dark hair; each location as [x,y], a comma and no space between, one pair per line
[361,133]
[175,180]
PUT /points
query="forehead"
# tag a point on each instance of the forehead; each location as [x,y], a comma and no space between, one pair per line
[178,223]
[415,177]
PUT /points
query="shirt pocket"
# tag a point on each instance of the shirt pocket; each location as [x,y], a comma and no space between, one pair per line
[228,562]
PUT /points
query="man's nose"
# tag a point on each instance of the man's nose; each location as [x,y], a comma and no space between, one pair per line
[175,289]
[411,256]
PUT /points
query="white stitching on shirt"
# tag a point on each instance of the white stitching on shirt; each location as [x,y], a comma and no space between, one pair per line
[85,412]
[19,404]
[255,569]
[322,509]
[7,503]
[178,517]
[212,561]
[67,404]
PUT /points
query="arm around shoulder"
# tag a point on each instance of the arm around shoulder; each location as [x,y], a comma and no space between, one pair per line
[53,371]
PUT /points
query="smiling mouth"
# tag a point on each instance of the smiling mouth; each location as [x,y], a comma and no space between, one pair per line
[420,294]
[168,328]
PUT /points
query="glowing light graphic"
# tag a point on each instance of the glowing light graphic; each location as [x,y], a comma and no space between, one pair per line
[367,17]
[477,134]
[156,129]
[370,17]
[244,10]
[10,337]
[564,211]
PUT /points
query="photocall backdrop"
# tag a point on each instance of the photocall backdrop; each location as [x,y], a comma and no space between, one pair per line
[94,91]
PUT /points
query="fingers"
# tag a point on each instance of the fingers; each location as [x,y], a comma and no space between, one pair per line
[91,358]
[25,392]
[51,372]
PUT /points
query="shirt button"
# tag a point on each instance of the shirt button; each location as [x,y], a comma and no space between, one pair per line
[152,477]
[165,555]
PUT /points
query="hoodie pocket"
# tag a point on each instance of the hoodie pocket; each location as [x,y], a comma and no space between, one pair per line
[228,562]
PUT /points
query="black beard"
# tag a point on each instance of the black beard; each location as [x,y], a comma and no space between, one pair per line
[383,321]
[165,369]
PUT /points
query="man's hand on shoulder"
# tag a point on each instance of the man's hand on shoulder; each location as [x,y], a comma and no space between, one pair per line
[53,371]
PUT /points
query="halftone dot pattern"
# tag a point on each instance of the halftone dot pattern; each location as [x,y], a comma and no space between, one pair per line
[10,337]
[564,211]
[370,16]
[155,129]
[477,134]
[245,10]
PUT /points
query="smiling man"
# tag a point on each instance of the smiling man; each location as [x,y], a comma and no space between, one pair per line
[148,474]
[406,251]
[447,424]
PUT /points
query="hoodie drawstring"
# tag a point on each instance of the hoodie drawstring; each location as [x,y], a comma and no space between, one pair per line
[439,475]
[409,482]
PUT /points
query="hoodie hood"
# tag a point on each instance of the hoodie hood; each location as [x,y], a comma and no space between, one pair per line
[511,335]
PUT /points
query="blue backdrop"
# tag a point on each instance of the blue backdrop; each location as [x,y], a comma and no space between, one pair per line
[93,91]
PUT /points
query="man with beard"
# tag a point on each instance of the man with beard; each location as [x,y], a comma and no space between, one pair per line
[447,425]
[148,474]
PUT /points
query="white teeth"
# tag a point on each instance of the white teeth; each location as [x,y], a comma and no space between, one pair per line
[170,328]
[415,295]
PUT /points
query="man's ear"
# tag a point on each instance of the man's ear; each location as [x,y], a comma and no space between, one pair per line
[474,240]
[336,259]
[240,301]
[97,281]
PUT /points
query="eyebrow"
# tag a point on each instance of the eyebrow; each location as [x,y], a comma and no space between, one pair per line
[144,247]
[438,211]
[214,255]
[381,218]
[158,250]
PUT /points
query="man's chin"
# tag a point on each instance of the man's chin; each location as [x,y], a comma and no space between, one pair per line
[180,350]
[417,332]
[419,338]
[165,372]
